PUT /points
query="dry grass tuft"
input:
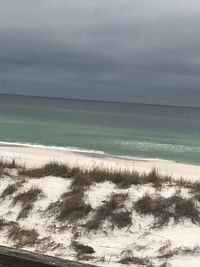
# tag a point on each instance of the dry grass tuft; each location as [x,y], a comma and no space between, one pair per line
[125,178]
[11,189]
[27,199]
[72,207]
[4,223]
[25,211]
[163,209]
[121,178]
[9,165]
[154,178]
[109,211]
[53,168]
[81,181]
[180,251]
[121,219]
[136,261]
[22,237]
[130,259]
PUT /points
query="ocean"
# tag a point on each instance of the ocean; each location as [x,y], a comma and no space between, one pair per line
[127,130]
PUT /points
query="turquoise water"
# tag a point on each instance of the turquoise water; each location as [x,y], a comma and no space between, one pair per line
[144,131]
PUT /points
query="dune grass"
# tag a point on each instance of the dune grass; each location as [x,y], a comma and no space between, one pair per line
[112,210]
[71,206]
[4,223]
[11,189]
[4,165]
[21,236]
[164,209]
[121,178]
[136,261]
[180,251]
[27,200]
[53,169]
[9,164]
[72,212]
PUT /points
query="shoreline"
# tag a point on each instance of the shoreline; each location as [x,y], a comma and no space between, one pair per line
[36,155]
[86,152]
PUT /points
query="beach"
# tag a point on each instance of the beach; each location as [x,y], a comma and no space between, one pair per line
[35,156]
[121,218]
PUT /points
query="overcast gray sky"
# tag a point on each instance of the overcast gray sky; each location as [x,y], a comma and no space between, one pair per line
[145,51]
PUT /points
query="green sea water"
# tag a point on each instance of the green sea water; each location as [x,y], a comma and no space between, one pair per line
[135,130]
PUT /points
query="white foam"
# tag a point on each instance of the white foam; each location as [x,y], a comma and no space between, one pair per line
[81,150]
[144,159]
[73,149]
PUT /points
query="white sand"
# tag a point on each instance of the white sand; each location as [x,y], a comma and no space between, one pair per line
[34,156]
[110,244]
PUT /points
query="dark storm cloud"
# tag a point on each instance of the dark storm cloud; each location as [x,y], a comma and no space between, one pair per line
[118,50]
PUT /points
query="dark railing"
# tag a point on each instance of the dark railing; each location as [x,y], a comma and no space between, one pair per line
[10,257]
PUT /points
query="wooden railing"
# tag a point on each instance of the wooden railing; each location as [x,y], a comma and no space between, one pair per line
[10,257]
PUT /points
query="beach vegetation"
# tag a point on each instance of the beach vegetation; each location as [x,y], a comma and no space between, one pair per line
[25,211]
[49,169]
[11,189]
[121,178]
[180,251]
[128,258]
[82,212]
[5,165]
[81,181]
[121,219]
[113,210]
[9,164]
[71,206]
[4,223]
[164,209]
[21,236]
[27,200]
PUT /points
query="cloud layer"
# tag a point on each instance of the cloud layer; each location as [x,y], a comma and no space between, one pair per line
[116,50]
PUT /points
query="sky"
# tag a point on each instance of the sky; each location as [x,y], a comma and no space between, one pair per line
[140,51]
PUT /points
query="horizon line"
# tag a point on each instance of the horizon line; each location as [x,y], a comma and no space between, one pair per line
[100,101]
